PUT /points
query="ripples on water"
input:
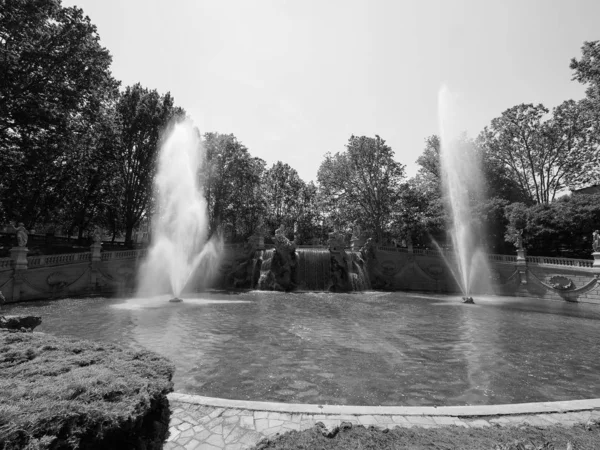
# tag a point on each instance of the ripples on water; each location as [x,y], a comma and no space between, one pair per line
[368,348]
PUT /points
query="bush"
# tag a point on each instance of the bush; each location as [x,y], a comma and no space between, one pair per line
[59,393]
[561,228]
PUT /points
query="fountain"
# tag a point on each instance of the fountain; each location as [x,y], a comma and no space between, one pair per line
[462,180]
[180,226]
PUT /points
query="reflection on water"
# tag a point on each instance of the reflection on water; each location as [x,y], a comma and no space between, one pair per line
[362,348]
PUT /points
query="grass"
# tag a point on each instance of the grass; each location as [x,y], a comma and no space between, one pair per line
[579,437]
[58,393]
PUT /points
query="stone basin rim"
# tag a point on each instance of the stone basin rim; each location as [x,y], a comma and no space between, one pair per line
[454,411]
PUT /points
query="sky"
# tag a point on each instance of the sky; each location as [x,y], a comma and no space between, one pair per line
[293,80]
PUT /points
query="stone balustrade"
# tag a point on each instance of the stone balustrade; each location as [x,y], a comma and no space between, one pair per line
[6,264]
[124,254]
[570,262]
[58,260]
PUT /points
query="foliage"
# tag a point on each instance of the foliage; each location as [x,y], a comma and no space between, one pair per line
[62,393]
[54,80]
[561,228]
[517,215]
[348,436]
[143,114]
[232,184]
[587,71]
[361,185]
[427,202]
[283,190]
[544,155]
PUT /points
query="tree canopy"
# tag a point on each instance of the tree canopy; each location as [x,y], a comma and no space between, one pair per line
[362,184]
[544,155]
[54,84]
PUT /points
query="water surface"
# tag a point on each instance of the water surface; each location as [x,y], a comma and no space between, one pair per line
[367,348]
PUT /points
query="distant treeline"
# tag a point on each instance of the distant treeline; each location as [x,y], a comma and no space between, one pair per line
[78,151]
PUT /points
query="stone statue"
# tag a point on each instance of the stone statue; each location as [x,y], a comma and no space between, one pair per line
[280,231]
[596,241]
[97,236]
[356,231]
[519,243]
[21,235]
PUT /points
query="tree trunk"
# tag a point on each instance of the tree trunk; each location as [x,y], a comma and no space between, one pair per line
[128,236]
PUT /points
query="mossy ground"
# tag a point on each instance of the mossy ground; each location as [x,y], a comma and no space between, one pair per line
[65,393]
[578,437]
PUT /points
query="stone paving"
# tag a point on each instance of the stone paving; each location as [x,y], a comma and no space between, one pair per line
[200,427]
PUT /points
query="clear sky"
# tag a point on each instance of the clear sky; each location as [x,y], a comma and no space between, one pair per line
[294,79]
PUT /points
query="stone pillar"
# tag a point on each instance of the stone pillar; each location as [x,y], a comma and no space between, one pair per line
[596,265]
[257,241]
[95,248]
[409,244]
[522,264]
[356,243]
[19,257]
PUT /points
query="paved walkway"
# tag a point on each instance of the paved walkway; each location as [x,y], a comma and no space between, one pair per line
[202,423]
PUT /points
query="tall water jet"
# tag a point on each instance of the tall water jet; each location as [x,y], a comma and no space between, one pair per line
[462,182]
[180,225]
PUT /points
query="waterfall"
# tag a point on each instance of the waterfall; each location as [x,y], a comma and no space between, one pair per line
[360,279]
[265,267]
[313,268]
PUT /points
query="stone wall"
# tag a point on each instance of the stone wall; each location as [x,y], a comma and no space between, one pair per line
[426,270]
[25,278]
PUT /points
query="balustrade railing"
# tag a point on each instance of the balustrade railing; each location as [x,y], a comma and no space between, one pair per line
[539,260]
[75,258]
[5,263]
[124,254]
[568,262]
[502,258]
[57,260]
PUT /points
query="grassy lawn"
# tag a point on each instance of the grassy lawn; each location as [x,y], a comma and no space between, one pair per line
[448,438]
[63,393]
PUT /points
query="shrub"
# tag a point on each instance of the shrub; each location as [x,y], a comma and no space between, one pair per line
[59,393]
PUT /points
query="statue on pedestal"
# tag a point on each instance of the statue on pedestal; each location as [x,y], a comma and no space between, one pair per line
[97,236]
[356,231]
[596,241]
[519,243]
[22,235]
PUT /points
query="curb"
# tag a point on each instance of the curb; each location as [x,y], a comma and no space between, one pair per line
[454,411]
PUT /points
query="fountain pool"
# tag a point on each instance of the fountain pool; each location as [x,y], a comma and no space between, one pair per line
[364,348]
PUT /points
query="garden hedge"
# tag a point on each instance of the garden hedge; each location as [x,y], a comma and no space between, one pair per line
[61,393]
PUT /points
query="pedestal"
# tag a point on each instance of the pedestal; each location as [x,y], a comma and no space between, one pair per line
[257,241]
[96,249]
[522,265]
[356,243]
[596,256]
[19,257]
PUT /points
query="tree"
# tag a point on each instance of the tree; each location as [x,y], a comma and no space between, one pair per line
[561,228]
[362,184]
[542,155]
[424,207]
[587,71]
[144,115]
[283,189]
[91,185]
[232,184]
[54,75]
